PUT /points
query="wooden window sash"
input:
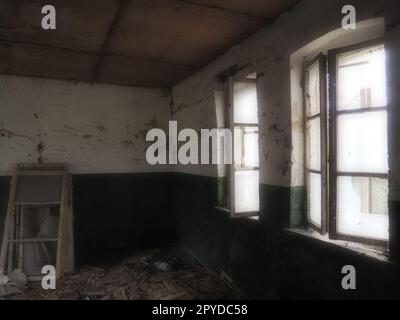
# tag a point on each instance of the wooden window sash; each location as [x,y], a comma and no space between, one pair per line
[322,115]
[333,170]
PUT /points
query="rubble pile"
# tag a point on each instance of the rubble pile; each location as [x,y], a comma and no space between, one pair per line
[146,276]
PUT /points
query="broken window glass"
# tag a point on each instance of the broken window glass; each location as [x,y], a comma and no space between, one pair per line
[362,145]
[362,207]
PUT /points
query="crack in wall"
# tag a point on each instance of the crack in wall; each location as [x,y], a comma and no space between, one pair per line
[10,134]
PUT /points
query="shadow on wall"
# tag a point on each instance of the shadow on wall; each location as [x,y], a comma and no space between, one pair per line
[264,261]
[116,214]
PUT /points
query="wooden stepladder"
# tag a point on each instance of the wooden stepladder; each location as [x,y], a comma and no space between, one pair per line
[38,228]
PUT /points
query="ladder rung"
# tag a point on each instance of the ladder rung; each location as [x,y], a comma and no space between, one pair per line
[41,173]
[49,203]
[33,240]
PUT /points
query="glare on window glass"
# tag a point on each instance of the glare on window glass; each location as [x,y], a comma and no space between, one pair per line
[313,135]
[313,90]
[246,175]
[245,103]
[362,198]
[313,143]
[246,191]
[238,150]
[250,147]
[314,199]
[362,142]
[361,79]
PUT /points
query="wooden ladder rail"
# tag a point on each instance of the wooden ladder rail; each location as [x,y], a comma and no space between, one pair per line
[8,225]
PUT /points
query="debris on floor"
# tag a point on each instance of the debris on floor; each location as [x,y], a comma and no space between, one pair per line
[151,275]
[13,283]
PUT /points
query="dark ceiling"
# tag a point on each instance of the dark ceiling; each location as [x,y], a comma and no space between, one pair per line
[154,43]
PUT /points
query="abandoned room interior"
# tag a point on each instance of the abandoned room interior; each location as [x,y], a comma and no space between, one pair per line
[199,149]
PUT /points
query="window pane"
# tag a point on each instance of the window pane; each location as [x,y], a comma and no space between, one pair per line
[314,199]
[251,147]
[362,142]
[314,144]
[238,132]
[363,207]
[245,103]
[37,255]
[246,191]
[39,188]
[313,90]
[41,222]
[361,79]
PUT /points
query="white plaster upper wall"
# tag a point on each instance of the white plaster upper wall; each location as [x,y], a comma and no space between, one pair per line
[94,128]
[195,108]
[268,51]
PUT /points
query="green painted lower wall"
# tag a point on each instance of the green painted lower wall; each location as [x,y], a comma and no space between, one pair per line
[264,261]
[116,214]
[297,207]
[213,237]
[281,207]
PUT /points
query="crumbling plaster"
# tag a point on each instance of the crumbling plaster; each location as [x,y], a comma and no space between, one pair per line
[268,52]
[96,128]
[87,146]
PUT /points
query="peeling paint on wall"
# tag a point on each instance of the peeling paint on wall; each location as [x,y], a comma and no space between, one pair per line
[89,127]
[268,51]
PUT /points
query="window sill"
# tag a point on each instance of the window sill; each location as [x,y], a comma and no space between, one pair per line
[252,216]
[223,210]
[375,252]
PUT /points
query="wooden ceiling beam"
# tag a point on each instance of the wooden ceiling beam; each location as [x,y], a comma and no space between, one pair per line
[11,43]
[107,40]
[231,11]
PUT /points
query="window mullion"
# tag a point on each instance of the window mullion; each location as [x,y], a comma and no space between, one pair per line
[232,166]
